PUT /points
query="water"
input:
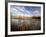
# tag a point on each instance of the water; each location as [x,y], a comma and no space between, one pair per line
[30,24]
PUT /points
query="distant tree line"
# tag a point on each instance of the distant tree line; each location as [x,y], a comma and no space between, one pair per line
[34,17]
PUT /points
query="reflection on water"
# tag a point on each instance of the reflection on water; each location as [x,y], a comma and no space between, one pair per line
[22,25]
[20,22]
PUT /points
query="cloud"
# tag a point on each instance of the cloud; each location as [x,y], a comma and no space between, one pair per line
[20,10]
[36,13]
[15,11]
[23,10]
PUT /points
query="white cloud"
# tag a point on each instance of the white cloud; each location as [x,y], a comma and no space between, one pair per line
[36,13]
[22,11]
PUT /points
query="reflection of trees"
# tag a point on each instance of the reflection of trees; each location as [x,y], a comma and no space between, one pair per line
[25,25]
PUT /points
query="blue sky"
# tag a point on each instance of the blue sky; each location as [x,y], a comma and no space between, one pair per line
[25,10]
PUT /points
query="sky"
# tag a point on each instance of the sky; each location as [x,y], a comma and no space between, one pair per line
[17,10]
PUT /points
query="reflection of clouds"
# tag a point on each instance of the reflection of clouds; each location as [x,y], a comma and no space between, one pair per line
[20,10]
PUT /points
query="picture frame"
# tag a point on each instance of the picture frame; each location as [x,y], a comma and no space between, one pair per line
[24,3]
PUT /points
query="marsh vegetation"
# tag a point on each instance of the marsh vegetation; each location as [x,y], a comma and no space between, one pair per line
[25,23]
